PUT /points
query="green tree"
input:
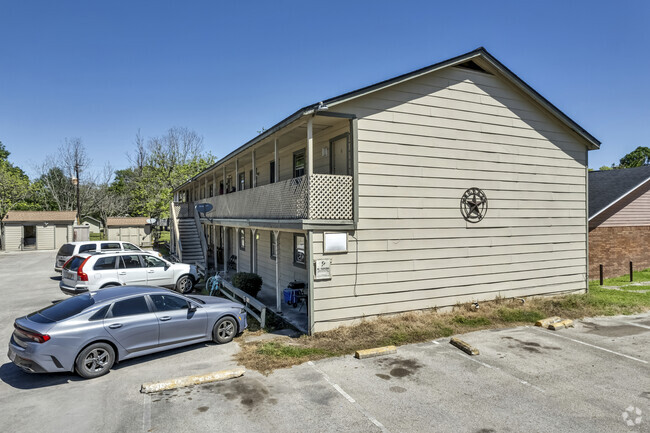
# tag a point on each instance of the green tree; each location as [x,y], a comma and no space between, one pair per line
[638,157]
[14,184]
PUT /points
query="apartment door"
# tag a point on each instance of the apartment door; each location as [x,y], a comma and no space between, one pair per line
[340,155]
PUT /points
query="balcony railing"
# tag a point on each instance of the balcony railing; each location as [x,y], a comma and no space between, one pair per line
[317,197]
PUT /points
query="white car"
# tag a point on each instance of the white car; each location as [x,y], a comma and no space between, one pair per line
[94,271]
[72,248]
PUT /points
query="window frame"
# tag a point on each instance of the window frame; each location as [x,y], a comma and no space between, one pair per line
[296,155]
[109,314]
[242,240]
[297,263]
[273,249]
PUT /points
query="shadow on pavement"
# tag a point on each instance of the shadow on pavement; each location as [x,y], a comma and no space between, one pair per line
[17,378]
[57,278]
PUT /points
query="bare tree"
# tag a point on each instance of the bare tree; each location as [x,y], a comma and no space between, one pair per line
[139,160]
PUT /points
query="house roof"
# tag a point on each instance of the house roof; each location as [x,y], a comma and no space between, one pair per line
[38,216]
[127,221]
[608,187]
[486,60]
[91,218]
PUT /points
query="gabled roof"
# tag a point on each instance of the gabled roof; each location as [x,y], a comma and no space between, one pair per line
[127,221]
[477,58]
[609,187]
[88,217]
[40,216]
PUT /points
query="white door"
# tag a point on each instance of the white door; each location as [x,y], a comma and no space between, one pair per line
[131,270]
[60,236]
[159,273]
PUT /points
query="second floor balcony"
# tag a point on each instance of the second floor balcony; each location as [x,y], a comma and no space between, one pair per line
[315,197]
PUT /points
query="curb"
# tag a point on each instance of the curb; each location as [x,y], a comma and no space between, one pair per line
[198,379]
[465,347]
[544,323]
[377,351]
[559,325]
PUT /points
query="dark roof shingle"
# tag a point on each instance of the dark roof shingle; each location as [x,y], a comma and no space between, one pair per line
[605,187]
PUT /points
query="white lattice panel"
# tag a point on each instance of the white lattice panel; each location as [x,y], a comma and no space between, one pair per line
[330,197]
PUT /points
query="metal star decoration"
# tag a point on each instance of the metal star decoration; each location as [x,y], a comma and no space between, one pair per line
[473,205]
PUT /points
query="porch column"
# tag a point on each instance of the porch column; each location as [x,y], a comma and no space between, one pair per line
[253,251]
[278,290]
[225,249]
[276,165]
[237,181]
[254,172]
[214,248]
[224,178]
[310,147]
[214,184]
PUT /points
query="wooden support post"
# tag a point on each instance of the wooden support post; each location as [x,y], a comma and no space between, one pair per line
[310,147]
[601,275]
[631,272]
[237,181]
[224,180]
[278,289]
[225,249]
[214,248]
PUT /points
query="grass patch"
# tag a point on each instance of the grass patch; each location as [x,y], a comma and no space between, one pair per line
[471,321]
[510,315]
[278,350]
[416,327]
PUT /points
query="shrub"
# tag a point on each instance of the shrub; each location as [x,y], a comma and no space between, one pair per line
[248,282]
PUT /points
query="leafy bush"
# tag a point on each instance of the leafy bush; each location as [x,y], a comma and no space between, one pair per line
[248,282]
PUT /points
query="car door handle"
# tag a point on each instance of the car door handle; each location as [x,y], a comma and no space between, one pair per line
[115,325]
[151,271]
[121,273]
[165,318]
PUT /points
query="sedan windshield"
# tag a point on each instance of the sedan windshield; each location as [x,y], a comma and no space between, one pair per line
[64,309]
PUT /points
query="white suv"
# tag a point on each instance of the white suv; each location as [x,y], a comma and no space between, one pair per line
[71,248]
[94,271]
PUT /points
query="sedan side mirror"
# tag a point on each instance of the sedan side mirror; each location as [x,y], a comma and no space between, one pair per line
[191,309]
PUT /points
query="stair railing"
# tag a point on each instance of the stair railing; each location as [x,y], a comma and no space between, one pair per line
[199,230]
[178,249]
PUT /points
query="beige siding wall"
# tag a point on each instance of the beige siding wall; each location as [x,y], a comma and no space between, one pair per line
[636,213]
[136,235]
[44,237]
[421,145]
[12,237]
[60,236]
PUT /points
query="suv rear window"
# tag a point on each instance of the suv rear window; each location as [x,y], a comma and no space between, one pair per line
[111,246]
[74,263]
[64,309]
[87,247]
[66,250]
[130,247]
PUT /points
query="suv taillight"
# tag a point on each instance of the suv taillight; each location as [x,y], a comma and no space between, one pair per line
[34,336]
[80,272]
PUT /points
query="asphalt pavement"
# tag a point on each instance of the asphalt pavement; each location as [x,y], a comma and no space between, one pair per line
[591,378]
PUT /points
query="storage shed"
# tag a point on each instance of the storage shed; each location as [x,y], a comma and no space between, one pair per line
[94,225]
[37,230]
[619,221]
[131,229]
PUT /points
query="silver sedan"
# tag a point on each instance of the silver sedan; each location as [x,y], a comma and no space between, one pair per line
[88,333]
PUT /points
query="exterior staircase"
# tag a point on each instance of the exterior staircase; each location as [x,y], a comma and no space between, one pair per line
[190,241]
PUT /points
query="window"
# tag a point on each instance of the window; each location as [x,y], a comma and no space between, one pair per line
[242,239]
[299,251]
[64,309]
[130,307]
[242,181]
[99,315]
[272,171]
[87,247]
[129,262]
[66,250]
[153,262]
[130,247]
[111,246]
[299,164]
[211,190]
[169,303]
[274,245]
[105,263]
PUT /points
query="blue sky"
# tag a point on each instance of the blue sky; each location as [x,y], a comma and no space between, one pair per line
[103,70]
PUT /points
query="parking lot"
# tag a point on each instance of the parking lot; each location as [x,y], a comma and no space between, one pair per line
[594,377]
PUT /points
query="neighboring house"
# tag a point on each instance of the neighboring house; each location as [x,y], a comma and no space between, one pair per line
[37,230]
[619,221]
[131,229]
[94,225]
[453,183]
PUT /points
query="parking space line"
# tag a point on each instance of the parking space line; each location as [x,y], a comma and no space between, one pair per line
[523,382]
[146,413]
[349,398]
[594,346]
